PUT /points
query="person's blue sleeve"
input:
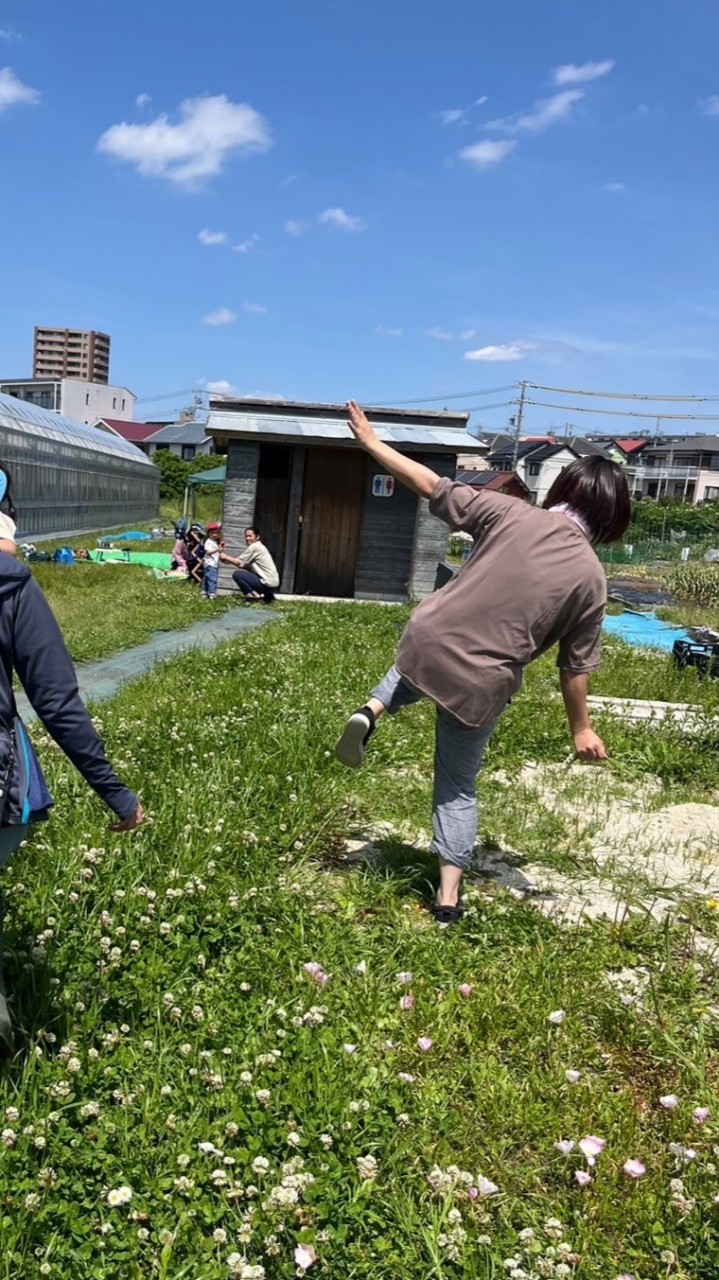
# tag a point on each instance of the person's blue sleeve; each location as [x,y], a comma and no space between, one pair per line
[45,669]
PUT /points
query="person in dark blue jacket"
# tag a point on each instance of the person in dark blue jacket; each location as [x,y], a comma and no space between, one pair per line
[31,646]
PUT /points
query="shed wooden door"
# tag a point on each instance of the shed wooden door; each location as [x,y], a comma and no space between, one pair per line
[331,517]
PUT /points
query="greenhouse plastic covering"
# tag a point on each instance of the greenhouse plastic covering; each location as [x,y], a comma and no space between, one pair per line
[29,419]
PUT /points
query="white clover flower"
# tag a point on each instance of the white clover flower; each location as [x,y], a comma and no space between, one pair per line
[557,1017]
[366,1168]
[119,1196]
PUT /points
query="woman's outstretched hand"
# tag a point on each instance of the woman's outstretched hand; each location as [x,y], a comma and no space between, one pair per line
[359,426]
[129,824]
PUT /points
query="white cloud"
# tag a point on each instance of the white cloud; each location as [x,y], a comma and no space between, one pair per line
[447,335]
[290,180]
[481,101]
[209,131]
[294,228]
[222,315]
[383,332]
[546,112]
[483,154]
[342,220]
[454,116]
[615,187]
[212,237]
[143,100]
[710,106]
[7,33]
[246,245]
[499,354]
[254,309]
[13,92]
[570,73]
[222,388]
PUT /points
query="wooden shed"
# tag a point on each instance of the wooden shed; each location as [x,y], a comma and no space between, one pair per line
[335,525]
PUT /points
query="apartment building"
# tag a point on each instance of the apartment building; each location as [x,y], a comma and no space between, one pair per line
[83,354]
[79,400]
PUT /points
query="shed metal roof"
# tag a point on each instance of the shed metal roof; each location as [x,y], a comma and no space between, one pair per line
[29,419]
[332,426]
[179,433]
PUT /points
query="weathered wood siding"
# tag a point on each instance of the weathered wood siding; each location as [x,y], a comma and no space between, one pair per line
[238,508]
[294,508]
[431,535]
[384,561]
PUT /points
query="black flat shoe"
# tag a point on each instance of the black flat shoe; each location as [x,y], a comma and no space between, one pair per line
[445,916]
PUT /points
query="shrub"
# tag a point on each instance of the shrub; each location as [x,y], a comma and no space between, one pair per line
[696,582]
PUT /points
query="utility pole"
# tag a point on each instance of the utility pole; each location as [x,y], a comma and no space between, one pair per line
[518,423]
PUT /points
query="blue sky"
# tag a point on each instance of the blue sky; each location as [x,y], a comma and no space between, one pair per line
[394,201]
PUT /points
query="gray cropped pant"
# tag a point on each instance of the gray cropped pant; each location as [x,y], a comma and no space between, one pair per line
[458,755]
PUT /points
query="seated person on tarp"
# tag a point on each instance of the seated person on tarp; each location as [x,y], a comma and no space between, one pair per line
[256,573]
[195,553]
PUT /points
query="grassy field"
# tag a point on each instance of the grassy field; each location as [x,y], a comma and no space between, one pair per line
[104,608]
[216,1070]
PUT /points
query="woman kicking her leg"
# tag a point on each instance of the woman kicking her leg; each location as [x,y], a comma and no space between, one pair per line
[531,581]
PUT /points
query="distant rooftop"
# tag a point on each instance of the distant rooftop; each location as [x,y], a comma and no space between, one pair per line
[136,432]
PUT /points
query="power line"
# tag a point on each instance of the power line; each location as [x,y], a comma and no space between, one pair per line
[459,395]
[630,413]
[617,395]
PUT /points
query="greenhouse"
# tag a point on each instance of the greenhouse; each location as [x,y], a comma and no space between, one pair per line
[68,477]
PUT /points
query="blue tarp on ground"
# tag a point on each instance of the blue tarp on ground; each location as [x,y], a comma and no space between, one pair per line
[644,629]
[133,536]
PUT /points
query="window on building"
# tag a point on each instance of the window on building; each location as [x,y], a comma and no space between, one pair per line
[114,402]
[188,452]
[711,492]
[535,468]
[123,403]
[87,397]
[161,446]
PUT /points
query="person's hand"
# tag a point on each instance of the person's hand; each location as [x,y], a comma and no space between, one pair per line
[130,824]
[589,746]
[359,426]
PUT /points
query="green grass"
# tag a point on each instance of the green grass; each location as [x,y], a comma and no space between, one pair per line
[104,608]
[159,988]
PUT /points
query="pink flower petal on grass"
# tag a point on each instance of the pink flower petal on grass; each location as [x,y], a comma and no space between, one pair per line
[305,1256]
[403,978]
[634,1168]
[349,1048]
[700,1115]
[565,1147]
[465,989]
[572,1077]
[591,1147]
[316,972]
[425,1044]
[406,1003]
[485,1187]
[669,1101]
[581,1178]
[557,1017]
[406,1077]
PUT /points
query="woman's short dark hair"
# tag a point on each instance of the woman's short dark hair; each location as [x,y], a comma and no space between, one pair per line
[597,490]
[252,528]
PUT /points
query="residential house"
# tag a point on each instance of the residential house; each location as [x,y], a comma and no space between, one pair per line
[494,481]
[537,464]
[187,439]
[687,469]
[136,433]
[334,523]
